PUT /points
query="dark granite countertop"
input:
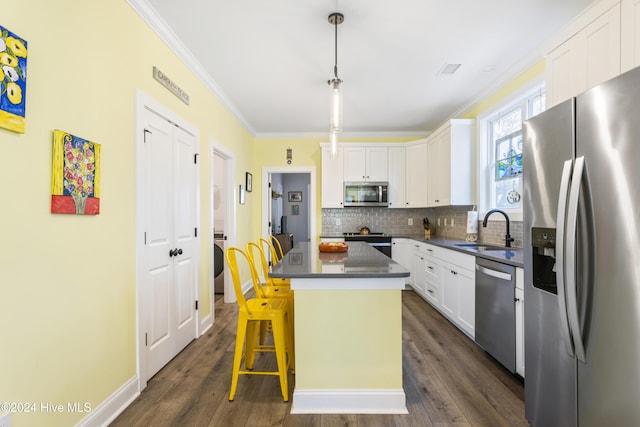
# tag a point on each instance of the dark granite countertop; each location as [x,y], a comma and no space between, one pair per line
[511,256]
[360,261]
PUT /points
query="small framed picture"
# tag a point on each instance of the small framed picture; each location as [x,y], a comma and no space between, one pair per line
[249,182]
[295,209]
[242,195]
[295,196]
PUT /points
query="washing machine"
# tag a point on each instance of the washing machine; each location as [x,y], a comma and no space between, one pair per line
[218,262]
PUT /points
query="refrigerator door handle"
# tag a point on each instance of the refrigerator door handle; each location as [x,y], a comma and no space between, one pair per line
[560,254]
[570,259]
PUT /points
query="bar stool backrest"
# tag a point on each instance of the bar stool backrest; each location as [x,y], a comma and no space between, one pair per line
[256,255]
[232,254]
[277,248]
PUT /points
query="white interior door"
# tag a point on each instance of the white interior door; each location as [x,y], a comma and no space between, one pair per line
[169,255]
[184,236]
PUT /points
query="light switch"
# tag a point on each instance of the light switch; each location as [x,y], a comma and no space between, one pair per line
[410,221]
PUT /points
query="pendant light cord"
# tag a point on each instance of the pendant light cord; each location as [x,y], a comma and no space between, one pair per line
[335,67]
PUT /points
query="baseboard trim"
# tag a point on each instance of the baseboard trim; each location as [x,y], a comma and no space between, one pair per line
[206,323]
[385,401]
[107,411]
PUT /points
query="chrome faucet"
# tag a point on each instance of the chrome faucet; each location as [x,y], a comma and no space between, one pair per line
[508,239]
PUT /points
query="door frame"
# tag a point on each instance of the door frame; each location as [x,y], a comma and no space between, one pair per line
[266,196]
[142,102]
[230,158]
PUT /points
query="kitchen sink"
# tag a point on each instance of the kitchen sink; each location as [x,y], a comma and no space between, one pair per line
[481,247]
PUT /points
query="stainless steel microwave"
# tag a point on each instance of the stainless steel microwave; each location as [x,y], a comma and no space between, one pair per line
[366,194]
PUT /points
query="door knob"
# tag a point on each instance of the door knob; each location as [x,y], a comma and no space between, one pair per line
[171,253]
[179,251]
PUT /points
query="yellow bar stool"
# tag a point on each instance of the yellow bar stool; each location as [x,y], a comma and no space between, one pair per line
[276,257]
[267,289]
[277,247]
[252,312]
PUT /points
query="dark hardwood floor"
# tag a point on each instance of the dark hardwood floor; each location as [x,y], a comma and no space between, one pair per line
[448,381]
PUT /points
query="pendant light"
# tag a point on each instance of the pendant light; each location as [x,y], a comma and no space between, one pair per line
[333,139]
[335,89]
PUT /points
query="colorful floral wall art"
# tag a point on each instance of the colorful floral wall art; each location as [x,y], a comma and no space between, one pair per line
[75,178]
[13,87]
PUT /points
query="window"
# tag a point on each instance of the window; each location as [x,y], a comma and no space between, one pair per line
[501,150]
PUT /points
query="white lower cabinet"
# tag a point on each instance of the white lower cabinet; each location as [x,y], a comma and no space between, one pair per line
[419,283]
[446,280]
[459,292]
[402,253]
[519,298]
[433,290]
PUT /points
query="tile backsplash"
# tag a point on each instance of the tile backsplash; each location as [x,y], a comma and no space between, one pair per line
[396,223]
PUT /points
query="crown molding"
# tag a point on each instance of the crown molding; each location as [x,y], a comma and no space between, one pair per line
[345,135]
[166,34]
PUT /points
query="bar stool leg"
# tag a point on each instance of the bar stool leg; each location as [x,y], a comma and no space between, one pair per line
[280,341]
[237,357]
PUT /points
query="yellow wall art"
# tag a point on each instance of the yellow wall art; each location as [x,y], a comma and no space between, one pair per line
[75,177]
[13,87]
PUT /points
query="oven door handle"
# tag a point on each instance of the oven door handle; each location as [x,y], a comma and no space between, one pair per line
[380,244]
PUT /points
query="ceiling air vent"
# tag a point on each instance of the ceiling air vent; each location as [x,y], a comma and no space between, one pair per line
[449,69]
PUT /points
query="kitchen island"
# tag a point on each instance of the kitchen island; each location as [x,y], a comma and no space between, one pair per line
[348,329]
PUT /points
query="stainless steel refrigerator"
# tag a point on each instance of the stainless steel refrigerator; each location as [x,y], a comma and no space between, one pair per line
[582,259]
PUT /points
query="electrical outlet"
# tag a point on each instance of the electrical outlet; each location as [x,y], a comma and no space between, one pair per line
[445,222]
[410,221]
[5,419]
[452,222]
[438,222]
[338,221]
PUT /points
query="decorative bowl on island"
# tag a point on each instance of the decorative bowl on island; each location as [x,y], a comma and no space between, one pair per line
[333,247]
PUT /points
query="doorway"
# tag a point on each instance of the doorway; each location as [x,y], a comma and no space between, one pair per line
[223,220]
[289,202]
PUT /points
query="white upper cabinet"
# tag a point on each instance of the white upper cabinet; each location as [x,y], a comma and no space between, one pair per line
[397,178]
[366,163]
[416,175]
[450,166]
[439,167]
[332,181]
[591,56]
[630,32]
[355,168]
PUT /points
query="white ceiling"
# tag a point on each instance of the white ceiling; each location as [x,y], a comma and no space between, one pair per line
[269,61]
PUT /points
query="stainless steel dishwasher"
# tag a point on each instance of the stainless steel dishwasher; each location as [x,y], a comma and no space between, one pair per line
[495,310]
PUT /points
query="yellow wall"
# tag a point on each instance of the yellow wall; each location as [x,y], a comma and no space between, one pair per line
[68,290]
[334,329]
[506,90]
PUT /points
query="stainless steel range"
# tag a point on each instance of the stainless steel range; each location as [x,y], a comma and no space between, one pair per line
[380,241]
